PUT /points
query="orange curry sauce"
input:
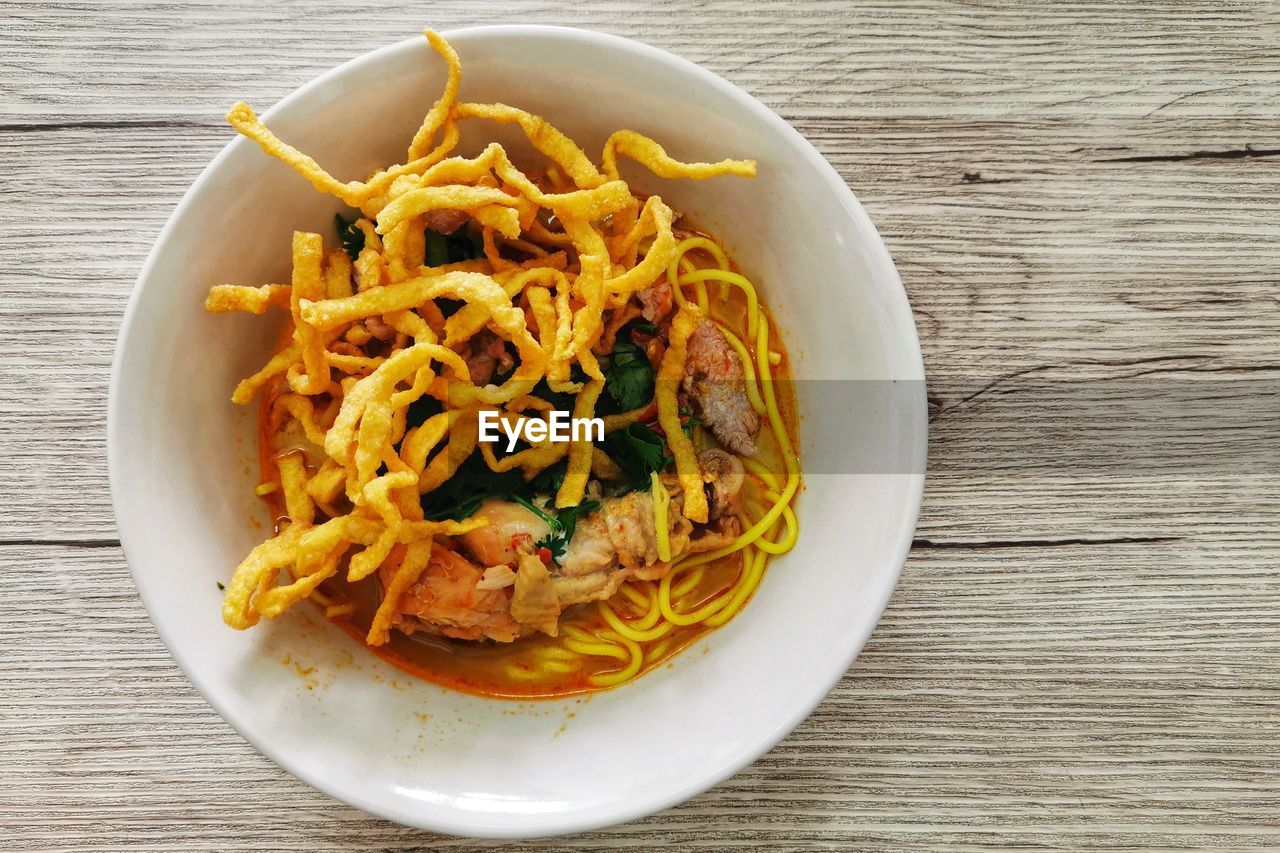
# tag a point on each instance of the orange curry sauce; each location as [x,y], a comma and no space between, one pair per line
[508,670]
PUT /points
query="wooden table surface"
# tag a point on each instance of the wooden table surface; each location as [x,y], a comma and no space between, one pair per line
[1084,194]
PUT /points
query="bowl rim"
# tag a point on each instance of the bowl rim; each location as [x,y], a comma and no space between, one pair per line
[882,586]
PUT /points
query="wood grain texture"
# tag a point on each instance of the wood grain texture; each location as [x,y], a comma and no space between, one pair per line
[1083,651]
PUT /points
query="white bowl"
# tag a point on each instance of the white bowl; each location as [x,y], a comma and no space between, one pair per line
[183,462]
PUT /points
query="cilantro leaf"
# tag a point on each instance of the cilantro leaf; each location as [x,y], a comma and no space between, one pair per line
[629,379]
[548,517]
[452,248]
[351,237]
[437,249]
[474,482]
[561,522]
[563,526]
[638,451]
[549,480]
[464,247]
[471,485]
[690,420]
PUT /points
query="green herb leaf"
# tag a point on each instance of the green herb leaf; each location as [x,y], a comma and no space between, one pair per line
[452,248]
[629,379]
[638,451]
[220,586]
[569,519]
[464,247]
[690,420]
[471,485]
[351,237]
[548,518]
[562,526]
[549,480]
[437,249]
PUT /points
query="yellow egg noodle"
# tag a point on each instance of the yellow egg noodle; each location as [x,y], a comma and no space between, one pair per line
[590,244]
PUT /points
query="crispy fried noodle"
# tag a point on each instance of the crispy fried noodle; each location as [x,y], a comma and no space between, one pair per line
[464,284]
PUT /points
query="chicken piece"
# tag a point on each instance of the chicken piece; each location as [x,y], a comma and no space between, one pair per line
[592,566]
[510,526]
[497,577]
[593,587]
[714,536]
[655,348]
[724,476]
[632,528]
[534,601]
[621,537]
[445,601]
[622,533]
[379,329]
[445,221]
[609,337]
[656,301]
[456,598]
[590,549]
[715,383]
[487,353]
[620,541]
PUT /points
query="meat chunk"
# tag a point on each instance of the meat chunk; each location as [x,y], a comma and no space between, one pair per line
[497,577]
[656,301]
[510,526]
[623,534]
[487,353]
[716,385]
[445,601]
[535,602]
[590,549]
[724,476]
[379,329]
[445,221]
[632,528]
[457,598]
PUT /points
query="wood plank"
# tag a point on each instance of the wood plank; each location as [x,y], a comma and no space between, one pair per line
[1053,697]
[1075,263]
[1082,201]
[914,58]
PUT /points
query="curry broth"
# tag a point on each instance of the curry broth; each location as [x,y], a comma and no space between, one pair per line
[513,670]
